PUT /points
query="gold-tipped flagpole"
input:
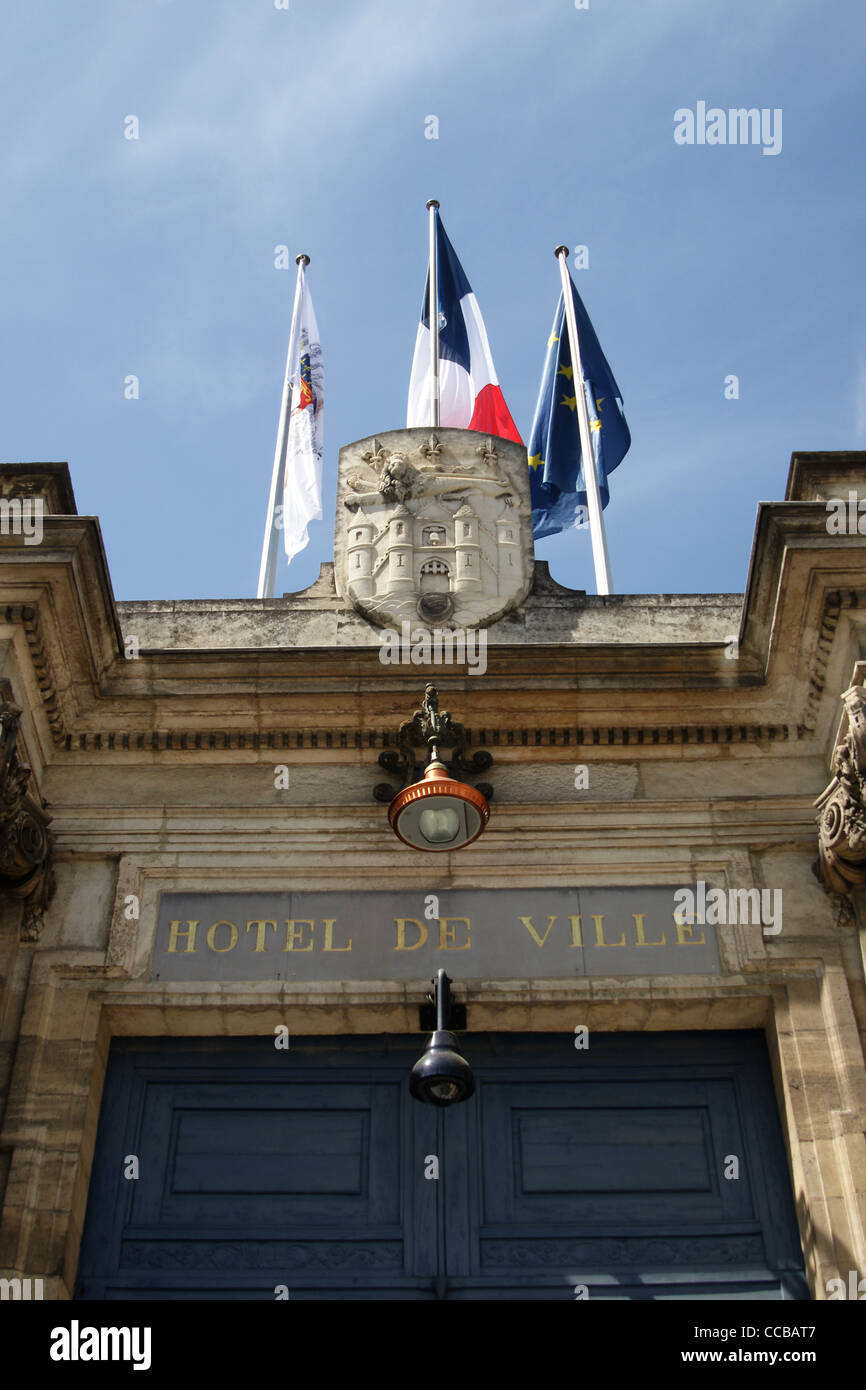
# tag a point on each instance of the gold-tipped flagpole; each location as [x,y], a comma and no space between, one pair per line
[433,309]
[268,567]
[601,560]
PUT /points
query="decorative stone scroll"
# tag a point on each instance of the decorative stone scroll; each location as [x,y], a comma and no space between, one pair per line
[841,809]
[26,843]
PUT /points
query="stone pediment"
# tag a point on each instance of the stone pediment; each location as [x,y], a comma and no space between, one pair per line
[433,527]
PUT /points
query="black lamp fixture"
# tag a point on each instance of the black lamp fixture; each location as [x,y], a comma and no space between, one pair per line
[441,1076]
[439,811]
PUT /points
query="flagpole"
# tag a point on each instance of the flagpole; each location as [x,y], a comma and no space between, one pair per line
[268,567]
[601,560]
[433,309]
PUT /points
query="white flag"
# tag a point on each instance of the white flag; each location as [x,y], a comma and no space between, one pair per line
[297,476]
[302,495]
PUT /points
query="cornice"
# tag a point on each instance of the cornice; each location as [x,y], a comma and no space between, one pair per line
[28,616]
[835,604]
[311,738]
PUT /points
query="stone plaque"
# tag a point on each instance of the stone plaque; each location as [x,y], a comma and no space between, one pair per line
[492,934]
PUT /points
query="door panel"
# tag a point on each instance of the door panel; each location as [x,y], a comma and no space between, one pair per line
[257,1169]
[306,1168]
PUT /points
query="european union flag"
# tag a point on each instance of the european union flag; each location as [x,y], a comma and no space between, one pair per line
[556,476]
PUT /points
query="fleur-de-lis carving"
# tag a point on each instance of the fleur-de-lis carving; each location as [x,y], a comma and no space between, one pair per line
[488,451]
[377,455]
[432,449]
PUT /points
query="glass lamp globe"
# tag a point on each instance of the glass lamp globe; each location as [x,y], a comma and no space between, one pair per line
[439,825]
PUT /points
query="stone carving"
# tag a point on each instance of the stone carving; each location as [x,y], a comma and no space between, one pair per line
[388,475]
[237,1254]
[25,841]
[433,526]
[626,1253]
[488,452]
[431,448]
[841,808]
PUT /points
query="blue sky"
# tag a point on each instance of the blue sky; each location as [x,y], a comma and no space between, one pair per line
[306,127]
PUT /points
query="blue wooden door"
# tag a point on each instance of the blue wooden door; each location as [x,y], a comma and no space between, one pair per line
[313,1169]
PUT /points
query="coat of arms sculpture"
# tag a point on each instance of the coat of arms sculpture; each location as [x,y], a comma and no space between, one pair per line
[435,527]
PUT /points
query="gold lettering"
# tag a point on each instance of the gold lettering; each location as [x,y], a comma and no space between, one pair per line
[639,930]
[576,937]
[682,929]
[401,933]
[329,924]
[233,937]
[539,940]
[260,933]
[295,932]
[448,935]
[598,918]
[175,930]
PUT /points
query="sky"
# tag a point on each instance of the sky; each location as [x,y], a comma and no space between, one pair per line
[307,127]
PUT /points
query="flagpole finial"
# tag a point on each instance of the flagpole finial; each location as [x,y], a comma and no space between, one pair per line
[432,203]
[303,259]
[559,250]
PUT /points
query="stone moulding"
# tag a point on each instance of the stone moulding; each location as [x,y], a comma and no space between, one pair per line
[26,843]
[28,617]
[835,603]
[841,807]
[607,736]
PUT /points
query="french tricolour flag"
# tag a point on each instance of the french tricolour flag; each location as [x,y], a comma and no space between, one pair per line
[470,396]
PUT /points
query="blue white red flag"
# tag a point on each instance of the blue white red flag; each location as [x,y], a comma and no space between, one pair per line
[470,396]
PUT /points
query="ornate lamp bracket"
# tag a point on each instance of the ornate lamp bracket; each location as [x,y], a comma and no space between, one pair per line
[841,808]
[434,730]
[26,844]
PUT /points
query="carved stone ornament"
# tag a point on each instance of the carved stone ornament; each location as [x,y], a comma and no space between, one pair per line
[433,528]
[841,809]
[26,843]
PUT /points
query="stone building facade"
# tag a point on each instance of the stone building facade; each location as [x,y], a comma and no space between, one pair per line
[190,838]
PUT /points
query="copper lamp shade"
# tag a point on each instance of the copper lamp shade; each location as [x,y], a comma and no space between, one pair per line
[438,813]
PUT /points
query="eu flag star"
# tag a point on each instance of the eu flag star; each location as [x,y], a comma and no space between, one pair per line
[552,339]
[565,371]
[535,461]
[570,401]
